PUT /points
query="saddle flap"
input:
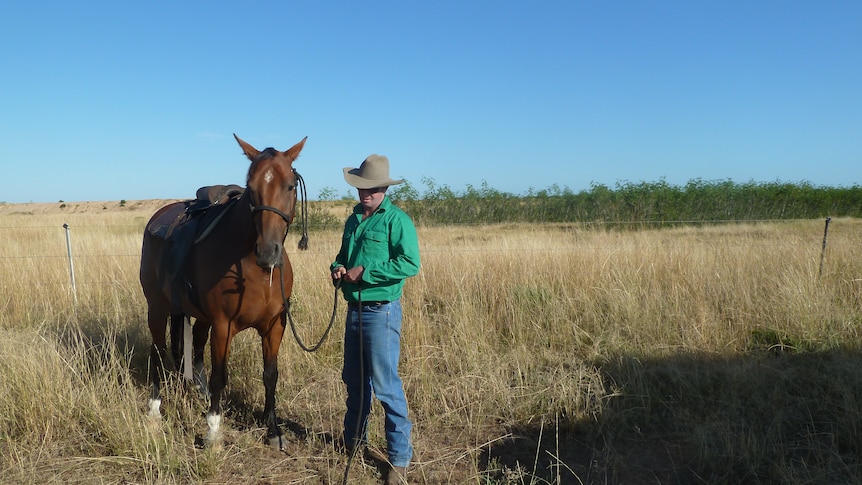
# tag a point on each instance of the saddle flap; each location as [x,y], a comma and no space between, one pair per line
[161,225]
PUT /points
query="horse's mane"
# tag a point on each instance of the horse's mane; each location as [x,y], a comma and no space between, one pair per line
[266,154]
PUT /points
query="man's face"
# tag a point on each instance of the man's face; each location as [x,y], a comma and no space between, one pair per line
[371,198]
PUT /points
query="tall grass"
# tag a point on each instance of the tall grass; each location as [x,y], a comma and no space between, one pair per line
[552,353]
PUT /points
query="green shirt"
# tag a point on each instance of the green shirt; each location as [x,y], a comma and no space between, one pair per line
[386,245]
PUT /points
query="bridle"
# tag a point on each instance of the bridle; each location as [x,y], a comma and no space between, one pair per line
[300,185]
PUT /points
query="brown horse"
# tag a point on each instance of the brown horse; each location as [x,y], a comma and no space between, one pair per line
[228,281]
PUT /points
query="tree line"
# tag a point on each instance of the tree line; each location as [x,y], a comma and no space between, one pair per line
[628,203]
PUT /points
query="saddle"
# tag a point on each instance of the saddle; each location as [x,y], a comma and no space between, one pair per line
[185,224]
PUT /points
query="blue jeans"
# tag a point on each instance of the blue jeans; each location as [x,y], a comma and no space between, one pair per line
[378,350]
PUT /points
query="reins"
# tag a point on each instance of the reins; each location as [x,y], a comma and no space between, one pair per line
[303,201]
[289,317]
[303,245]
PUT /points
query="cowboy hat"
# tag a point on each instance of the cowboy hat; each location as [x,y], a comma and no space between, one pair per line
[373,173]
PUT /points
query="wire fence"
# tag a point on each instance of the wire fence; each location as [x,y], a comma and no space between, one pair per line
[66,251]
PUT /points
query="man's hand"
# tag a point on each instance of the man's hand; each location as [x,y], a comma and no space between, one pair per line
[338,272]
[354,274]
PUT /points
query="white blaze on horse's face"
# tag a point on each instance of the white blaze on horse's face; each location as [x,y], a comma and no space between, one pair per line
[268,176]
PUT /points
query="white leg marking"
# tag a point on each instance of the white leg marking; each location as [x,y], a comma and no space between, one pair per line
[214,422]
[155,404]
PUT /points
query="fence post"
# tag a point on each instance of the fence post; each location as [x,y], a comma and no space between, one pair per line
[71,265]
[823,249]
[188,370]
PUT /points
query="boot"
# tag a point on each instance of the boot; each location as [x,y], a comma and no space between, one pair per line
[397,475]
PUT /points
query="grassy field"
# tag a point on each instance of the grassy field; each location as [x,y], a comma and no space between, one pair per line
[531,354]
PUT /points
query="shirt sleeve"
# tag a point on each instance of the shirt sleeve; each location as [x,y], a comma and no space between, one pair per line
[341,257]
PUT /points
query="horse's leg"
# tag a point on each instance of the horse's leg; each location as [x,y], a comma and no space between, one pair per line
[220,337]
[157,319]
[177,320]
[271,342]
[201,333]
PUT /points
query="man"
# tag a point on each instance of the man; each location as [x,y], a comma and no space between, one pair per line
[379,250]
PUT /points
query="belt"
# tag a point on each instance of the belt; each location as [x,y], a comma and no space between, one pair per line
[354,304]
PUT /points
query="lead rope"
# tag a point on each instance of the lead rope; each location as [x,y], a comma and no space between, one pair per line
[360,423]
[303,244]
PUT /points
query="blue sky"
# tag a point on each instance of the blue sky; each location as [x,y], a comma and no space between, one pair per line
[139,100]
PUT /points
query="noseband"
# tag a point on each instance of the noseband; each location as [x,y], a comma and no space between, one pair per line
[261,208]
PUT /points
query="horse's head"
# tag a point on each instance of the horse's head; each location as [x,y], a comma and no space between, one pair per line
[271,188]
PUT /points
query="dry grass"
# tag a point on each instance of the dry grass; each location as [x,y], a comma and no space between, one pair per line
[532,354]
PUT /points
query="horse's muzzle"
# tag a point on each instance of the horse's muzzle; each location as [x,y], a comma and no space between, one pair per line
[269,255]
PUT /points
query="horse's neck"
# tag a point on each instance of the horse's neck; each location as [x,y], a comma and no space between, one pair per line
[240,218]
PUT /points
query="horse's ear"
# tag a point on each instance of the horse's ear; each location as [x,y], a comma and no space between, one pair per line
[250,151]
[295,149]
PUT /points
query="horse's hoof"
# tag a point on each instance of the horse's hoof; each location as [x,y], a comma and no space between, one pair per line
[277,442]
[214,443]
[154,423]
